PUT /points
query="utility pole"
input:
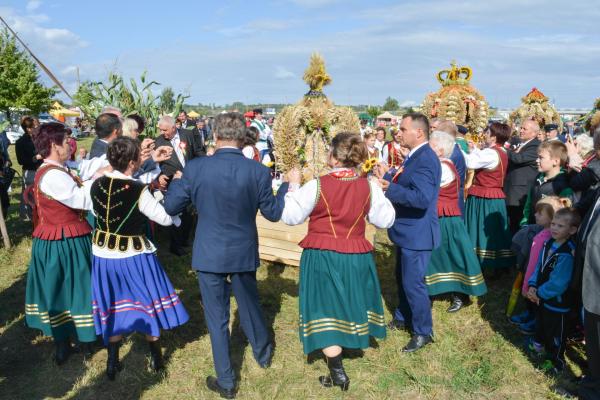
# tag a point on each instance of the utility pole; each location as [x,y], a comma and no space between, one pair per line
[40,63]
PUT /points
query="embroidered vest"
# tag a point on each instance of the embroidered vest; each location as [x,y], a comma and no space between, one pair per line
[54,220]
[338,220]
[119,221]
[448,197]
[394,158]
[489,183]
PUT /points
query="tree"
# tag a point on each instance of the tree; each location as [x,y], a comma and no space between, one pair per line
[20,85]
[373,111]
[167,100]
[390,104]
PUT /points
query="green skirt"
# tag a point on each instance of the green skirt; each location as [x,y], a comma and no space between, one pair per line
[453,266]
[487,225]
[340,300]
[58,298]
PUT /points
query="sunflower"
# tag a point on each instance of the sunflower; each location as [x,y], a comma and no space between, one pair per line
[369,164]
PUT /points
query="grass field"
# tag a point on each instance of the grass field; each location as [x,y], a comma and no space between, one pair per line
[477,354]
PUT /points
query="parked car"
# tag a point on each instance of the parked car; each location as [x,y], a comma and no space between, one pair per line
[13,133]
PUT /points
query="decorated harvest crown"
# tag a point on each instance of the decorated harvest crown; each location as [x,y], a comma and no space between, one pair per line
[455,75]
[303,132]
[535,105]
[458,101]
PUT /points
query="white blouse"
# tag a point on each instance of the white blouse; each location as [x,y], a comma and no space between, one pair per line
[300,202]
[447,175]
[482,159]
[60,186]
[148,206]
[88,168]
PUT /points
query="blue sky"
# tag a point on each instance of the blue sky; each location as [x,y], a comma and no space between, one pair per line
[226,51]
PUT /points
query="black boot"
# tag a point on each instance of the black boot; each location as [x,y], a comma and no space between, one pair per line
[63,351]
[337,375]
[459,301]
[156,359]
[113,365]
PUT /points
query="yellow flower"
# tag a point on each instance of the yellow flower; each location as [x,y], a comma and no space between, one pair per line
[369,164]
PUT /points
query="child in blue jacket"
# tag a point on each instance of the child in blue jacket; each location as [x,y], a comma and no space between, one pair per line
[548,288]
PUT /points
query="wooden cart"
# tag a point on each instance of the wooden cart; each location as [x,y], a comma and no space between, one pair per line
[278,242]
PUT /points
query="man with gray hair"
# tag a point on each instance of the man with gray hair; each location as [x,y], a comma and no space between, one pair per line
[184,150]
[228,189]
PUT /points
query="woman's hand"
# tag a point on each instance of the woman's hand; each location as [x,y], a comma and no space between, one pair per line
[380,169]
[294,176]
[163,153]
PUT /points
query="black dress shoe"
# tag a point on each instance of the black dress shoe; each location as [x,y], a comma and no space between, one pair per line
[416,342]
[396,325]
[458,302]
[213,384]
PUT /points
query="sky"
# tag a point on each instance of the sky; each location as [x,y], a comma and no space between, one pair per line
[256,51]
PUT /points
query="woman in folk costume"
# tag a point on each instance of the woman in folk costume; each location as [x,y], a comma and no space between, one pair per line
[453,267]
[340,296]
[485,211]
[249,148]
[393,152]
[130,290]
[369,139]
[58,297]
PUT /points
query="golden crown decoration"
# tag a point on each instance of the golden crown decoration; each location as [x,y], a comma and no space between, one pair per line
[458,101]
[455,75]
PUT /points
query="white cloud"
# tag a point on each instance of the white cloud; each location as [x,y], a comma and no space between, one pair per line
[283,73]
[33,5]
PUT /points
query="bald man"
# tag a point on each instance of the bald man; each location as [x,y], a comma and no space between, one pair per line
[522,171]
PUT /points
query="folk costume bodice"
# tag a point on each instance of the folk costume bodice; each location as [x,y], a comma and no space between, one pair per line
[120,225]
[54,220]
[448,197]
[337,221]
[489,183]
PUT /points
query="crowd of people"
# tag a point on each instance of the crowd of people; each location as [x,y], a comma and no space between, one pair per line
[458,211]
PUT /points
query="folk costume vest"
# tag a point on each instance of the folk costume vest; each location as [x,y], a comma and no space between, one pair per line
[489,183]
[54,220]
[394,158]
[338,220]
[120,224]
[448,197]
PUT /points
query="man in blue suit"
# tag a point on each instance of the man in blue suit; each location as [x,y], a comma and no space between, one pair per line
[414,192]
[227,189]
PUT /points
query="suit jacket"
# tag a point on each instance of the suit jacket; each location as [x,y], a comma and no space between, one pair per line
[227,189]
[415,197]
[583,269]
[172,165]
[521,173]
[99,148]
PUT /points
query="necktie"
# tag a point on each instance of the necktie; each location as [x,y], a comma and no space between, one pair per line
[175,143]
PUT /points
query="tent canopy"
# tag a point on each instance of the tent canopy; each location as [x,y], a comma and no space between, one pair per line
[65,113]
[386,115]
[193,114]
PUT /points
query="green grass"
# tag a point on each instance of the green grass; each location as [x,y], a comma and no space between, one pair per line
[477,354]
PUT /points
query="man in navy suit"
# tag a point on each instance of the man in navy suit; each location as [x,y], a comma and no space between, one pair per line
[227,189]
[414,192]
